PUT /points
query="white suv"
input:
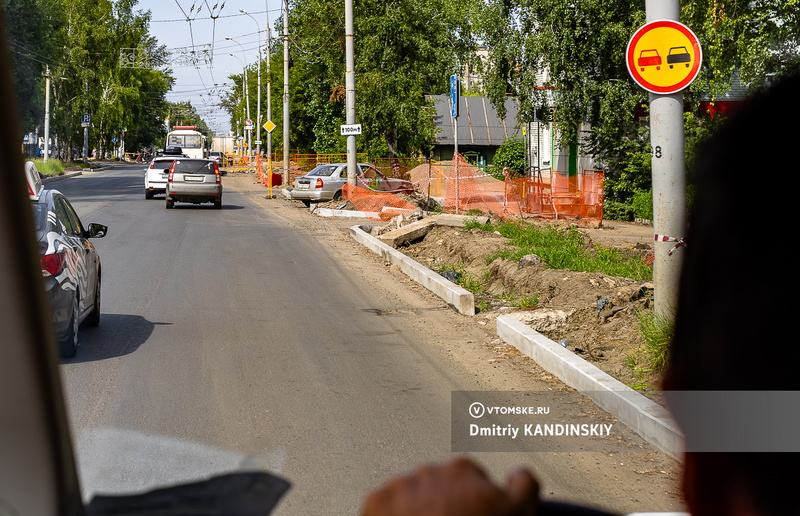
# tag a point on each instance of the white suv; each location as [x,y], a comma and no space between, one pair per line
[156,175]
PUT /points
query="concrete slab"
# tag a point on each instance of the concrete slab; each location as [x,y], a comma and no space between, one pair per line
[408,233]
[450,219]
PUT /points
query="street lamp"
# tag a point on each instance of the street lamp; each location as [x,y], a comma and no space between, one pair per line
[258,106]
[247,91]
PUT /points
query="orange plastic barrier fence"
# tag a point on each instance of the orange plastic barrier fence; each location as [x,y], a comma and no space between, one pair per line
[377,205]
[462,188]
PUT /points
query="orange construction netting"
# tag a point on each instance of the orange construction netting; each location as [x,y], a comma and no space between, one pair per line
[377,205]
[462,188]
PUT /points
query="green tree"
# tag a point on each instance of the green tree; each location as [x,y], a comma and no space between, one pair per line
[568,56]
[81,41]
[33,46]
[404,51]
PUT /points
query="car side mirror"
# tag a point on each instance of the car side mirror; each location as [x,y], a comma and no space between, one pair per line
[97,230]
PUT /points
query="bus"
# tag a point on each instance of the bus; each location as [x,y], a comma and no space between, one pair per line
[188,138]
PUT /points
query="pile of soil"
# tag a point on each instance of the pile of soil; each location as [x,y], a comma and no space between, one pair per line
[594,315]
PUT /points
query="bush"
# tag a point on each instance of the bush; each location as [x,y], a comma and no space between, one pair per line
[642,205]
[511,154]
[49,168]
[615,210]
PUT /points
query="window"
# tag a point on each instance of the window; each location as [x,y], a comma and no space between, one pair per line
[196,166]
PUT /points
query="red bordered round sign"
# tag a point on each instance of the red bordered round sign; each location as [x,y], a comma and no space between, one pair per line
[664,56]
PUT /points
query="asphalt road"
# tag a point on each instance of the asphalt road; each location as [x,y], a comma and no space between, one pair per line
[231,340]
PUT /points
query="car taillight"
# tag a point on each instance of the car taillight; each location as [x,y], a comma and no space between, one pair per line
[171,172]
[216,173]
[53,264]
[320,184]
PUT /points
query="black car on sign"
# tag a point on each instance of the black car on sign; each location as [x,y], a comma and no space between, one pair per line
[70,264]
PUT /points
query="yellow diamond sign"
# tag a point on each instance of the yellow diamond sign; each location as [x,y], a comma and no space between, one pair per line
[268,126]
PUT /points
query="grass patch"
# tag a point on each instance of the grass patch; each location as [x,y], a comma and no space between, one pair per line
[463,278]
[526,302]
[49,168]
[657,332]
[476,284]
[563,248]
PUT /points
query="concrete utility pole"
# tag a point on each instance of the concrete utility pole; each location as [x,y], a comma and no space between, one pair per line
[269,88]
[258,78]
[286,92]
[669,179]
[246,87]
[350,90]
[47,114]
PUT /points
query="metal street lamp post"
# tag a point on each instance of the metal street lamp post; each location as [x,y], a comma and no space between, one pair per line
[258,104]
[247,92]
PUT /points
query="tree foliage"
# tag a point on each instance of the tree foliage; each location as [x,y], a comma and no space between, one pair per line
[403,52]
[568,56]
[80,41]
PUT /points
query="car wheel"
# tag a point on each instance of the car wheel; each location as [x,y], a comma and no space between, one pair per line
[93,319]
[337,196]
[170,204]
[307,203]
[68,346]
[148,194]
[218,204]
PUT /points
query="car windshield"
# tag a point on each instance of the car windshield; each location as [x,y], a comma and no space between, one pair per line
[281,333]
[194,167]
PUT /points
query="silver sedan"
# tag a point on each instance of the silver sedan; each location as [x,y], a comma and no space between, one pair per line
[325,182]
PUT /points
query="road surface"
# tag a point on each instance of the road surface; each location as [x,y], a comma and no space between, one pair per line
[255,336]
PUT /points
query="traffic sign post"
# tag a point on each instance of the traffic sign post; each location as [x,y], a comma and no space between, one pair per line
[86,120]
[664,57]
[454,95]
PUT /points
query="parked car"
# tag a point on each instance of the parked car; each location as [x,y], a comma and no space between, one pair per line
[194,180]
[156,175]
[325,182]
[216,156]
[70,263]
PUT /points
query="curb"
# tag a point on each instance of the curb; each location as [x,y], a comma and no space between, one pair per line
[53,179]
[344,214]
[460,298]
[642,415]
[645,417]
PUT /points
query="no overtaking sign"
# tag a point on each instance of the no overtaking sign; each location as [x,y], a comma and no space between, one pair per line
[664,56]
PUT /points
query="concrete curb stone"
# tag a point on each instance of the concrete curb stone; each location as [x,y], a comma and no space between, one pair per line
[460,298]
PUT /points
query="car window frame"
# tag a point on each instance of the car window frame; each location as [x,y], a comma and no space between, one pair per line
[65,225]
[76,220]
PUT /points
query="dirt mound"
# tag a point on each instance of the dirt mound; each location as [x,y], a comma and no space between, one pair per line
[592,314]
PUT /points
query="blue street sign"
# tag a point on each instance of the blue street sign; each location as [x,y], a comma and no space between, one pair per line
[454,96]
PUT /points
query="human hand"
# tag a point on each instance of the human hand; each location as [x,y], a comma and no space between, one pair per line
[459,487]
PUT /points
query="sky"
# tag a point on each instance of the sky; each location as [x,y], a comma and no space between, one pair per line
[201,26]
